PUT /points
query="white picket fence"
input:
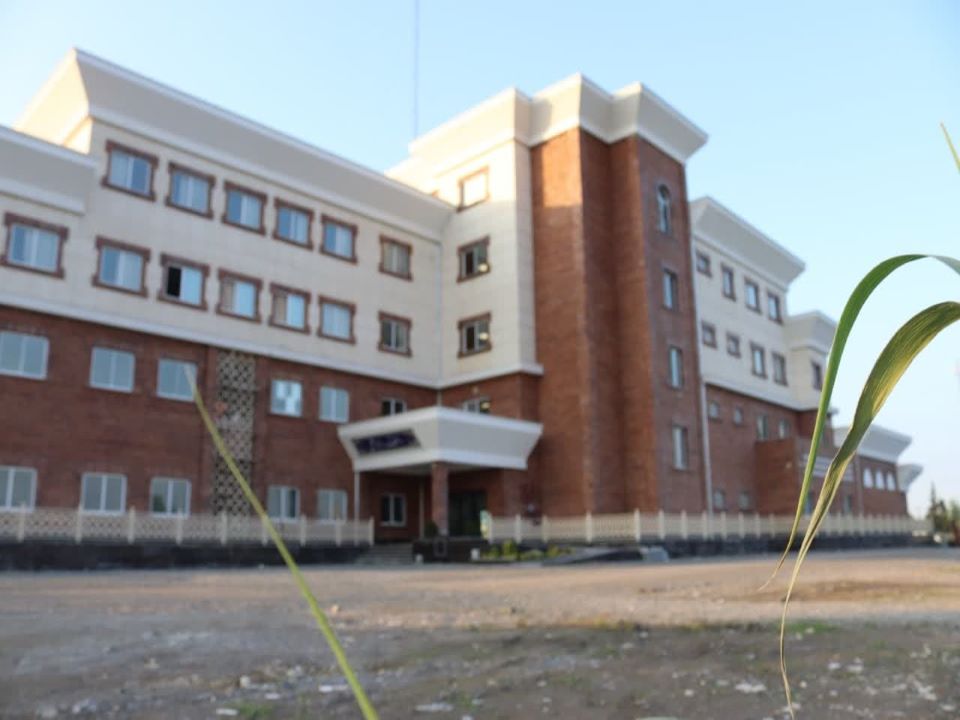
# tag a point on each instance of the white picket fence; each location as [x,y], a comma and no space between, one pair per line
[69,524]
[638,527]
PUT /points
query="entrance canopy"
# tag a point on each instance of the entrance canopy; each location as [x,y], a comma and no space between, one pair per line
[413,441]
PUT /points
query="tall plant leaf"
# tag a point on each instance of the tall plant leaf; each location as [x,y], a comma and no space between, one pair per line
[953,150]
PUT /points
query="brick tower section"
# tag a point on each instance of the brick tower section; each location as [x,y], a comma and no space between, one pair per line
[603,332]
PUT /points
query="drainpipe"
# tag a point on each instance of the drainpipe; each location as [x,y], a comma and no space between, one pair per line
[704,420]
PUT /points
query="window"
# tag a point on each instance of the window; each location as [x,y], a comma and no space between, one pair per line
[394,334]
[183,282]
[175,379]
[810,502]
[477,405]
[122,266]
[709,334]
[393,509]
[664,214]
[289,308]
[129,170]
[675,367]
[23,355]
[103,493]
[339,239]
[239,296]
[752,295]
[244,208]
[719,500]
[190,190]
[331,505]
[783,429]
[733,345]
[817,370]
[681,451]
[779,368]
[670,290]
[703,263]
[283,503]
[729,286]
[867,478]
[286,397]
[474,189]
[336,320]
[111,369]
[773,307]
[392,406]
[18,488]
[334,404]
[169,496]
[847,504]
[713,410]
[33,245]
[474,335]
[395,258]
[293,224]
[891,482]
[737,415]
[763,427]
[473,259]
[759,359]
[745,503]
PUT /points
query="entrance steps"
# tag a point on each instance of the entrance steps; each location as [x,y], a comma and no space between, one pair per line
[387,554]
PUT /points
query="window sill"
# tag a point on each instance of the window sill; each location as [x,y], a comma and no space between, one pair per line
[142,292]
[305,330]
[182,303]
[352,259]
[249,318]
[261,230]
[120,391]
[471,353]
[149,197]
[58,273]
[189,210]
[391,351]
[290,241]
[352,340]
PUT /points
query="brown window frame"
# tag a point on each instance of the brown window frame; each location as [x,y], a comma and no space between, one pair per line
[277,205]
[224,274]
[461,324]
[704,326]
[352,307]
[816,368]
[62,233]
[466,247]
[753,369]
[352,227]
[152,159]
[228,187]
[702,255]
[747,283]
[165,262]
[461,181]
[724,269]
[144,253]
[277,289]
[211,180]
[779,302]
[774,356]
[381,316]
[739,352]
[384,241]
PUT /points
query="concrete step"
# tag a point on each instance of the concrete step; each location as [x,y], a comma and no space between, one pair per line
[387,554]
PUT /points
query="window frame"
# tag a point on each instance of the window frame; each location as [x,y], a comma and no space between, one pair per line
[747,284]
[172,169]
[391,497]
[277,289]
[224,274]
[783,429]
[461,184]
[144,253]
[744,501]
[779,363]
[478,403]
[326,220]
[680,455]
[114,388]
[334,420]
[351,307]
[339,493]
[671,290]
[151,160]
[46,356]
[168,261]
[6,503]
[169,396]
[817,369]
[762,427]
[739,346]
[384,316]
[285,379]
[706,260]
[675,370]
[664,210]
[171,480]
[754,348]
[711,415]
[462,326]
[60,231]
[103,495]
[773,300]
[229,187]
[725,272]
[708,329]
[394,403]
[408,247]
[467,247]
[721,495]
[284,518]
[738,415]
[867,478]
[279,204]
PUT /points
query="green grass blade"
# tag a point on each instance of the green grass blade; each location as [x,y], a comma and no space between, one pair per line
[953,150]
[893,361]
[326,629]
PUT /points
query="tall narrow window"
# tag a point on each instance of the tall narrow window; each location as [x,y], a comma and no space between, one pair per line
[867,478]
[763,427]
[175,379]
[244,208]
[720,500]
[111,369]
[289,308]
[681,450]
[183,281]
[783,429]
[169,496]
[675,377]
[339,239]
[336,320]
[713,410]
[733,345]
[293,224]
[703,263]
[334,404]
[33,245]
[752,294]
[130,170]
[473,259]
[394,334]
[331,506]
[773,307]
[671,290]
[286,398]
[23,355]
[474,189]
[239,296]
[759,360]
[283,503]
[664,211]
[190,190]
[817,370]
[18,488]
[737,415]
[393,510]
[779,368]
[103,493]
[745,501]
[474,335]
[395,258]
[729,284]
[121,266]
[708,333]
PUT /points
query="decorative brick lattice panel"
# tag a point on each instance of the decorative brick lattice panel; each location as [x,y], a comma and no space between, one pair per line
[234,415]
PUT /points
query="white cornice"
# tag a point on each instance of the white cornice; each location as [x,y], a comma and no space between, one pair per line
[741,389]
[879,443]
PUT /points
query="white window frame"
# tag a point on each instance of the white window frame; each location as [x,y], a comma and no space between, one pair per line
[664,210]
[397,258]
[277,410]
[397,406]
[392,499]
[763,427]
[6,499]
[675,367]
[285,491]
[280,312]
[867,478]
[671,289]
[758,352]
[891,481]
[112,386]
[183,268]
[339,239]
[188,395]
[124,258]
[779,363]
[713,410]
[774,310]
[737,415]
[680,437]
[102,478]
[399,330]
[126,181]
[248,203]
[189,183]
[299,220]
[325,327]
[23,338]
[480,328]
[728,282]
[32,236]
[172,482]
[749,285]
[330,399]
[339,498]
[783,428]
[233,283]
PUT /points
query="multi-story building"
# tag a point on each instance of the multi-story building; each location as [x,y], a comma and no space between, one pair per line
[526,316]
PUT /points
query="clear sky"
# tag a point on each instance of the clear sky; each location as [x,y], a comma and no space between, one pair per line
[823,120]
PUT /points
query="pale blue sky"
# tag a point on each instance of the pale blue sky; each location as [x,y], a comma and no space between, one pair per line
[822,119]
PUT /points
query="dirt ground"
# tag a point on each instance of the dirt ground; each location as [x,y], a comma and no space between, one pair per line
[872,635]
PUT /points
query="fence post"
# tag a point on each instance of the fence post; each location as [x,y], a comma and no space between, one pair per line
[860,524]
[588,527]
[544,529]
[723,525]
[131,525]
[179,528]
[21,525]
[683,524]
[370,531]
[637,530]
[517,529]
[662,524]
[78,532]
[303,530]
[741,526]
[263,532]
[337,533]
[772,526]
[223,528]
[756,523]
[706,525]
[493,535]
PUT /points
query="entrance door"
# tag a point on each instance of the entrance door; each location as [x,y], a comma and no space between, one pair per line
[465,509]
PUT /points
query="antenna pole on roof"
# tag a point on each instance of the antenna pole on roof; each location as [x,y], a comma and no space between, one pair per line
[416,68]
